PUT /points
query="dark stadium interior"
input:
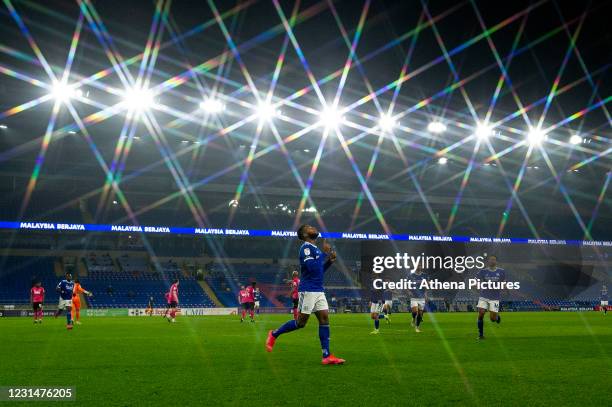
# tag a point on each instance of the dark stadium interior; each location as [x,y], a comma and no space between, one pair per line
[182,168]
[165,153]
[71,180]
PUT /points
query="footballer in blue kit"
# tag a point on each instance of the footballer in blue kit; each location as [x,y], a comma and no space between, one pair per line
[65,289]
[313,263]
[418,298]
[489,297]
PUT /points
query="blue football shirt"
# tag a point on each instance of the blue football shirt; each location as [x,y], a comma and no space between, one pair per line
[497,275]
[66,287]
[313,263]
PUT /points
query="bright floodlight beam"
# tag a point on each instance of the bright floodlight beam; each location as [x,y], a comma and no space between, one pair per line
[536,136]
[212,106]
[62,92]
[575,139]
[386,122]
[330,117]
[483,131]
[442,160]
[266,111]
[436,127]
[138,99]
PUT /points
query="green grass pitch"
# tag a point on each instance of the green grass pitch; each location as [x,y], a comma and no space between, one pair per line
[530,359]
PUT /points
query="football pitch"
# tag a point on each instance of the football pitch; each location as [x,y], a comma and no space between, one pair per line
[530,359]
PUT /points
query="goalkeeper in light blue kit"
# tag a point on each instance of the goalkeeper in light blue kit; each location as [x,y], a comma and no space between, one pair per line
[489,298]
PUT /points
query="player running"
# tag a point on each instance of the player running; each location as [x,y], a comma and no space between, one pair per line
[313,263]
[604,299]
[37,297]
[294,284]
[418,299]
[65,288]
[173,301]
[76,301]
[489,298]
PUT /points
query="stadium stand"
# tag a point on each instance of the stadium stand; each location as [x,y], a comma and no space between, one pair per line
[102,264]
[129,287]
[17,275]
[132,292]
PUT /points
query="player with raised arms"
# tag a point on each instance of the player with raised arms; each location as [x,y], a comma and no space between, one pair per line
[65,288]
[313,263]
[418,298]
[489,298]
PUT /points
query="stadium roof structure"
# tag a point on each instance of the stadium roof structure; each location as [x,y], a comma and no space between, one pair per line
[380,113]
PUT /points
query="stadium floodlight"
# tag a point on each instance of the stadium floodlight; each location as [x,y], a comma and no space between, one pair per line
[62,92]
[483,131]
[138,98]
[266,111]
[575,139]
[212,106]
[536,136]
[331,117]
[233,203]
[442,160]
[386,122]
[3,126]
[436,127]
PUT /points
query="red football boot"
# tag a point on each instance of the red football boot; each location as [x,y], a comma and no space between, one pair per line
[332,360]
[270,341]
